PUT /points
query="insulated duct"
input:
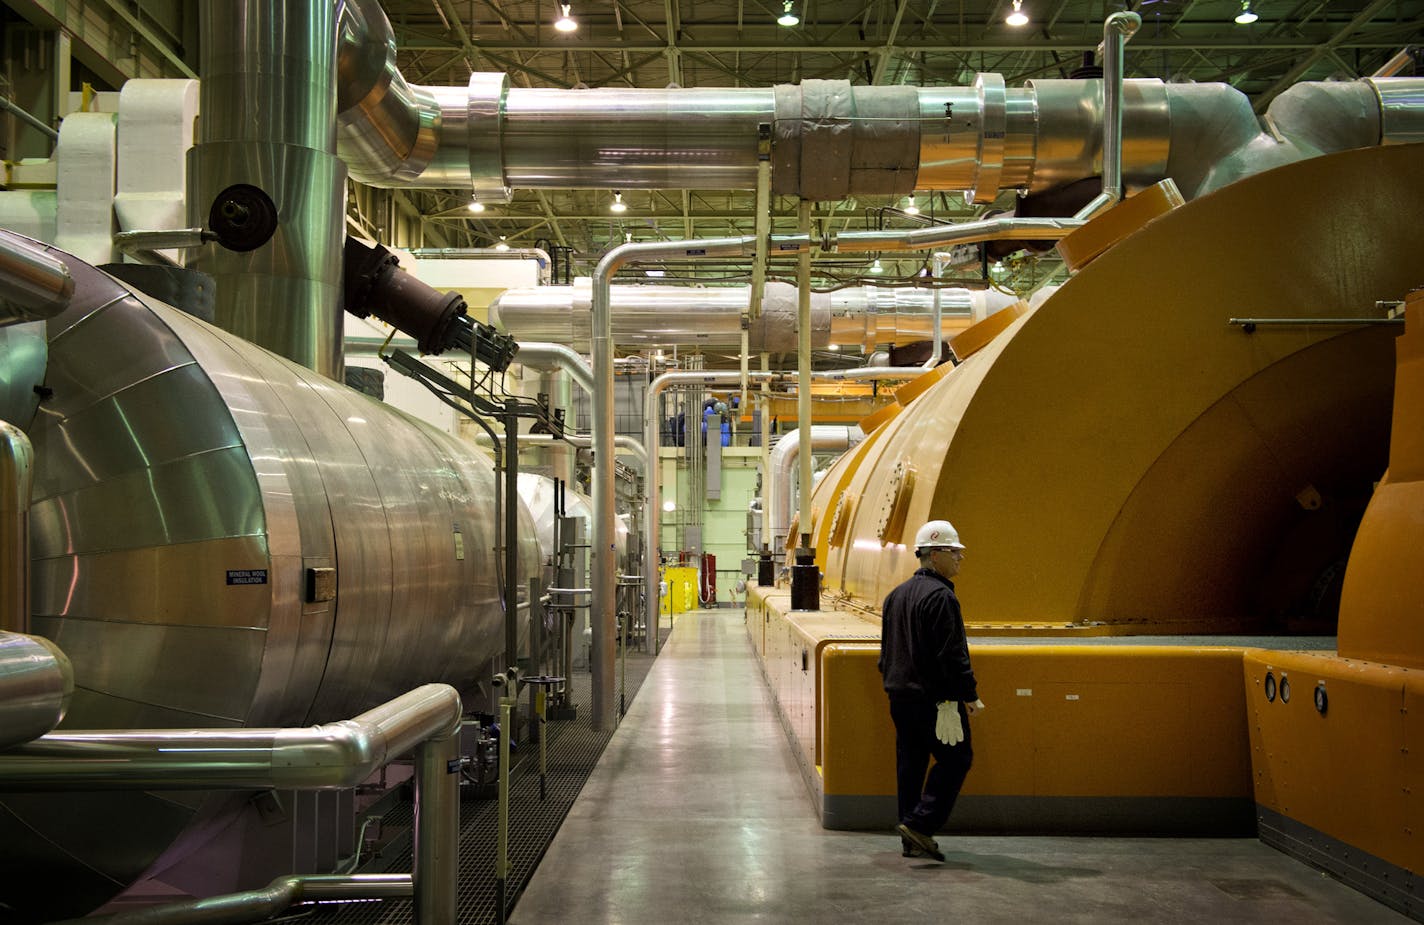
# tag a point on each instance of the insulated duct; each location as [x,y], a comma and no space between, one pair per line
[266,156]
[655,317]
[830,139]
[263,546]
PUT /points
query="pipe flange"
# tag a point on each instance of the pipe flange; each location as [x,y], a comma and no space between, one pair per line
[488,93]
[1401,119]
[993,126]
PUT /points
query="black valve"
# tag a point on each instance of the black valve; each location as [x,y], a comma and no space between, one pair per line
[243,217]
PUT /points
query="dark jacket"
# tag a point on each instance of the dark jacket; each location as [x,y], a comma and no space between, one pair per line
[924,654]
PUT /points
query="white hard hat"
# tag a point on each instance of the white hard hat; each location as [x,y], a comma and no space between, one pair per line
[938,533]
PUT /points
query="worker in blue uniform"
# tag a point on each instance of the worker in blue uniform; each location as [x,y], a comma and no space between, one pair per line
[924,661]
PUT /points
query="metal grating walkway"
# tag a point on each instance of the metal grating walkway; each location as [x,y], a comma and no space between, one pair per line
[573,751]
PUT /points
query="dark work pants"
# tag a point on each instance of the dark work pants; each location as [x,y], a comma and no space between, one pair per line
[925,802]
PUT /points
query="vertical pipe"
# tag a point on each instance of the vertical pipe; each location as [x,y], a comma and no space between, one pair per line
[936,313]
[17,459]
[803,371]
[1118,28]
[501,858]
[268,103]
[437,828]
[511,532]
[601,544]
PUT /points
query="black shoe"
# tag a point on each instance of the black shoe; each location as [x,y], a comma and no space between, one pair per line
[927,846]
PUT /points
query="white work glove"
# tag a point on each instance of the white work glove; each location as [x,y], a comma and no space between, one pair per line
[948,728]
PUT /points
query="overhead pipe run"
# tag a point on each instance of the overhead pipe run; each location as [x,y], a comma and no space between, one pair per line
[490,137]
[650,317]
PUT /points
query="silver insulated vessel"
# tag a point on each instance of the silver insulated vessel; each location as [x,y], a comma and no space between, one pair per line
[223,538]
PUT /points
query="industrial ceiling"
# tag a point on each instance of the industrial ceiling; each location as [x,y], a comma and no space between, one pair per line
[739,43]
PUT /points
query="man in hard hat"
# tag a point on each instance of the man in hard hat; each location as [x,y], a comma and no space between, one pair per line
[924,660]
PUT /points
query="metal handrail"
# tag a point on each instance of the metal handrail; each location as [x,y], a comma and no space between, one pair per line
[332,756]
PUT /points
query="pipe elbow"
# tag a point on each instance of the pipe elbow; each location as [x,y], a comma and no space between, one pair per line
[1124,23]
[333,756]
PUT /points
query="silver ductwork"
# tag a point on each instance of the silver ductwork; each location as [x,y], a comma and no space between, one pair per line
[221,537]
[830,139]
[268,103]
[654,317]
[784,457]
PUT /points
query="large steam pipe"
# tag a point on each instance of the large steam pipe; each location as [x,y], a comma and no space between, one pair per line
[655,316]
[489,137]
[268,99]
[332,756]
[35,285]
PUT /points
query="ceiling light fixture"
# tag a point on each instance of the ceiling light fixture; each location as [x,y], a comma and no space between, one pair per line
[565,23]
[910,207]
[876,267]
[476,205]
[1018,17]
[501,245]
[787,17]
[618,205]
[1247,15]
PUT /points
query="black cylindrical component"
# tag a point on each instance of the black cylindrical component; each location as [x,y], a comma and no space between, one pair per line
[376,285]
[805,581]
[766,569]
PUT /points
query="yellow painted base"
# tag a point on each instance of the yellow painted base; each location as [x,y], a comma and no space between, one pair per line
[1114,728]
[1351,771]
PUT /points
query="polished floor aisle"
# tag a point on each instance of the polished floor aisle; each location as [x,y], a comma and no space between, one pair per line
[697,814]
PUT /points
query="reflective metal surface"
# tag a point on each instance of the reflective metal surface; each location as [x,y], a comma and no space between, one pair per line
[17,462]
[386,128]
[36,682]
[980,139]
[332,756]
[660,316]
[23,355]
[268,99]
[33,284]
[264,904]
[1401,108]
[537,493]
[184,482]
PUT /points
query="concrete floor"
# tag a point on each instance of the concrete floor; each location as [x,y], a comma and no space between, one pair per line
[697,814]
